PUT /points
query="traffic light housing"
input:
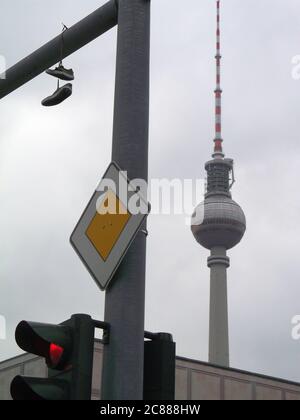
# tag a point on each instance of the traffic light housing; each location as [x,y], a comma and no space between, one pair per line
[68,352]
[159,367]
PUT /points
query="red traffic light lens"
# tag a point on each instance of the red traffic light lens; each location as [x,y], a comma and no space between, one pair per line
[55,354]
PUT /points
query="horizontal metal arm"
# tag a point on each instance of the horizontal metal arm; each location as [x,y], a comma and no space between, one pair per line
[80,34]
[101,325]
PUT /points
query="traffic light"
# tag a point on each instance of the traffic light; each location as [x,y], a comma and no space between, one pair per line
[68,352]
[159,367]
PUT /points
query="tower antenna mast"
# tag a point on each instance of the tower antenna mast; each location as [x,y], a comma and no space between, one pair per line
[218,150]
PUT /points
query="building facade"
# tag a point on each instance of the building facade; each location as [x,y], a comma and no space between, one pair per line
[195,380]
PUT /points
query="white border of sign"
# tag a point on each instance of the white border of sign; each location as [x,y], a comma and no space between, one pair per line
[103,271]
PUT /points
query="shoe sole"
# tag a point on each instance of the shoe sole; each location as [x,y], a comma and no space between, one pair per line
[58,96]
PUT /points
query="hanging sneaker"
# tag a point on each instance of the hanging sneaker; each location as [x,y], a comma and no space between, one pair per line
[61,73]
[58,96]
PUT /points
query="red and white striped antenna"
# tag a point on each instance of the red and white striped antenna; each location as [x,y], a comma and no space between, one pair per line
[218,151]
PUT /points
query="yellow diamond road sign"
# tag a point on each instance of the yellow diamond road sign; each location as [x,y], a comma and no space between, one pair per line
[105,228]
[108,225]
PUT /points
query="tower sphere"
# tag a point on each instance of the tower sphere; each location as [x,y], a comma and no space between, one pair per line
[218,221]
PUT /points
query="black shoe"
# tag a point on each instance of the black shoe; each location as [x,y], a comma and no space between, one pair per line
[61,73]
[58,96]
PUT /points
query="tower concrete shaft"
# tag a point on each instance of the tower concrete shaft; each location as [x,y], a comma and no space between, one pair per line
[218,263]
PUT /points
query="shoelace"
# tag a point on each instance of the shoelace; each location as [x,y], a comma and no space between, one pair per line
[65,28]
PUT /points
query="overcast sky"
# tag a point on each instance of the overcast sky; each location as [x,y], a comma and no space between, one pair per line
[52,159]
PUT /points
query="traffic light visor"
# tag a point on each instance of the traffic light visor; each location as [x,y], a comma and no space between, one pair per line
[53,342]
[38,389]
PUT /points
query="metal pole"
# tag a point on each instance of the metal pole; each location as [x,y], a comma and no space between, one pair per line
[125,299]
[75,38]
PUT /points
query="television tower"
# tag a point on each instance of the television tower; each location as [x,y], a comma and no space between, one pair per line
[218,224]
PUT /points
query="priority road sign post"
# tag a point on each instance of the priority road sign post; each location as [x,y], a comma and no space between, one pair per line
[109,224]
[123,357]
